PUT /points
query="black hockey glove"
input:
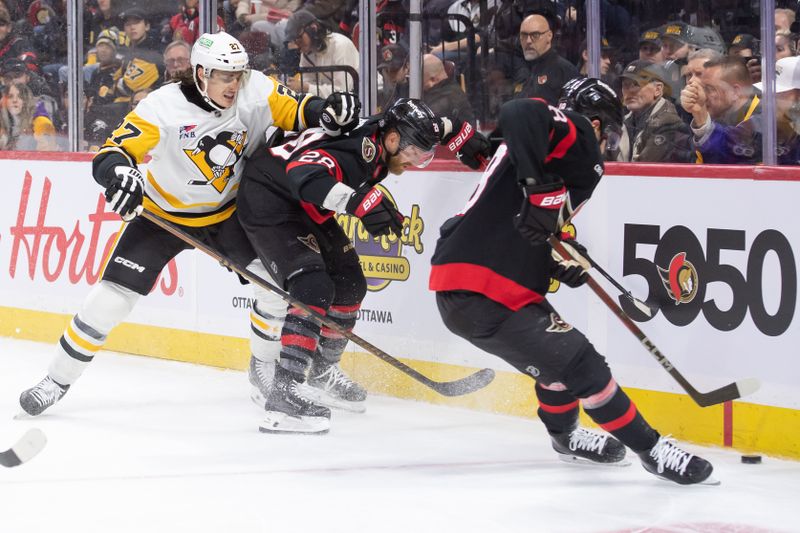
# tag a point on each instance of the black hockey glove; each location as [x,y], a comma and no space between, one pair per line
[573,271]
[470,146]
[376,211]
[126,192]
[340,114]
[539,216]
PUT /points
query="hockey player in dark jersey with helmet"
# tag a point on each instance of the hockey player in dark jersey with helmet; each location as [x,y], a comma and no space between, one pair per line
[286,204]
[493,264]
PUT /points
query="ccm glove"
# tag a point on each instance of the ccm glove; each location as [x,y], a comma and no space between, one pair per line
[125,192]
[470,146]
[540,215]
[573,271]
[340,114]
[377,213]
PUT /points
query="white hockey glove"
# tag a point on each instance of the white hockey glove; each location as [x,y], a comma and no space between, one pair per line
[126,192]
[340,114]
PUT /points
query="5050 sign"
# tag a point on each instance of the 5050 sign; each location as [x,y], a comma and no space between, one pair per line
[681,271]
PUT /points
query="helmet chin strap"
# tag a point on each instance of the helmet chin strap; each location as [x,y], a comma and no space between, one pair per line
[207,99]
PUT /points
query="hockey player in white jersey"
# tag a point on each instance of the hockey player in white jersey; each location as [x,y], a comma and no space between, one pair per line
[197,133]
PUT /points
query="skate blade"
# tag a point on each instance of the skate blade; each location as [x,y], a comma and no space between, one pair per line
[23,415]
[258,398]
[710,481]
[276,422]
[321,397]
[573,460]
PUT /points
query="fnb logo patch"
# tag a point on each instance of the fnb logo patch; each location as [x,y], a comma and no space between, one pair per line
[186,132]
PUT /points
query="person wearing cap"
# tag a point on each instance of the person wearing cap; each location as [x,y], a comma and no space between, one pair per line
[546,71]
[105,16]
[101,90]
[741,144]
[442,93]
[393,68]
[653,130]
[143,63]
[744,45]
[650,46]
[605,59]
[319,47]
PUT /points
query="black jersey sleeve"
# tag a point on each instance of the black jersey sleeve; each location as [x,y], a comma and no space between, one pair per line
[312,175]
[527,125]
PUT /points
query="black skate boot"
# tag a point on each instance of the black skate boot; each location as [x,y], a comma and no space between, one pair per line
[329,385]
[289,410]
[261,375]
[47,392]
[667,461]
[589,447]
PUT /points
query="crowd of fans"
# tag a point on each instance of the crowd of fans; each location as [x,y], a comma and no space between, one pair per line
[690,79]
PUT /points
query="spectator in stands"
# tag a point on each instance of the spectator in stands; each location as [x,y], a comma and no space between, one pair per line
[185,25]
[785,45]
[455,39]
[103,17]
[741,144]
[271,17]
[394,75]
[24,123]
[176,59]
[678,40]
[12,44]
[546,71]
[605,59]
[653,130]
[675,41]
[320,48]
[102,112]
[729,95]
[18,71]
[744,45]
[442,92]
[783,19]
[143,65]
[650,46]
[695,63]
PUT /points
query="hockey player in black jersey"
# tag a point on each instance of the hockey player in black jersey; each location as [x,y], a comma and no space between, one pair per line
[493,264]
[286,205]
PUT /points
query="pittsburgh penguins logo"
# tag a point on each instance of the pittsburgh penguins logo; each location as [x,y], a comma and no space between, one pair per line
[679,279]
[215,158]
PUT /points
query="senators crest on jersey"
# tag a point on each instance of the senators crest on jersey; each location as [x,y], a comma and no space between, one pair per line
[216,156]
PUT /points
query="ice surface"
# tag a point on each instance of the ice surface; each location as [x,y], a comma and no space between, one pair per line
[144,445]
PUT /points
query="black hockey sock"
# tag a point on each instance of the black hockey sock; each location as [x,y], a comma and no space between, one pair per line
[614,411]
[299,338]
[331,343]
[558,408]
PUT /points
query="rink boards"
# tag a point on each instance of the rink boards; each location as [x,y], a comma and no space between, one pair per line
[715,246]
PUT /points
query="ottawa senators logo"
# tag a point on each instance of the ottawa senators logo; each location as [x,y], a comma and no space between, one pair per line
[368,150]
[679,279]
[558,325]
[215,158]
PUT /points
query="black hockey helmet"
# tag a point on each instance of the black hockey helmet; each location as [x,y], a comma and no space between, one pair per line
[414,121]
[595,100]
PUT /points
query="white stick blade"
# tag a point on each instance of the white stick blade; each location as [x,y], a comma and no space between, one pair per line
[29,446]
[747,386]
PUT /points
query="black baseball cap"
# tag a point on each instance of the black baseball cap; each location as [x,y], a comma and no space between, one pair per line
[136,13]
[743,41]
[14,66]
[297,24]
[604,46]
[651,36]
[643,71]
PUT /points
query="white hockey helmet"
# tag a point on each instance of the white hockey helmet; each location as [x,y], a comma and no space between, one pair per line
[217,51]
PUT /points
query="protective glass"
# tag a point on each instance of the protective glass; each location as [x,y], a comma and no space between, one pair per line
[416,156]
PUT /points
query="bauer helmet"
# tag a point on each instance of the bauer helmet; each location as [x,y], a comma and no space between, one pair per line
[418,127]
[217,51]
[595,100]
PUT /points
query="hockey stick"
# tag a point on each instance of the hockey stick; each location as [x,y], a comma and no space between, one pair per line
[729,392]
[26,448]
[644,307]
[459,387]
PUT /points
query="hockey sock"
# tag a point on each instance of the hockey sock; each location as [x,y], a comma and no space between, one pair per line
[266,319]
[331,343]
[558,408]
[614,411]
[107,305]
[299,338]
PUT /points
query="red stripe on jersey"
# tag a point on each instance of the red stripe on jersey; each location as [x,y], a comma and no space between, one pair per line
[622,421]
[318,215]
[558,409]
[299,340]
[564,144]
[483,280]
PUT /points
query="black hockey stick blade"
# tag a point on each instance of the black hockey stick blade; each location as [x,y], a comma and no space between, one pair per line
[466,385]
[26,448]
[732,391]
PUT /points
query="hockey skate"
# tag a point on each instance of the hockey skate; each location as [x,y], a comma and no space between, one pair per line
[47,392]
[328,385]
[261,375]
[589,447]
[289,410]
[667,461]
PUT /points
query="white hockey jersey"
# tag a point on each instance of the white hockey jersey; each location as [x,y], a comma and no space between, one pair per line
[197,156]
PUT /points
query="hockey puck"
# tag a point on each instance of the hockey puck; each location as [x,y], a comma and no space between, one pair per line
[751,459]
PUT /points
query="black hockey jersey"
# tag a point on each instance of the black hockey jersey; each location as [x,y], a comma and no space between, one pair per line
[306,167]
[479,249]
